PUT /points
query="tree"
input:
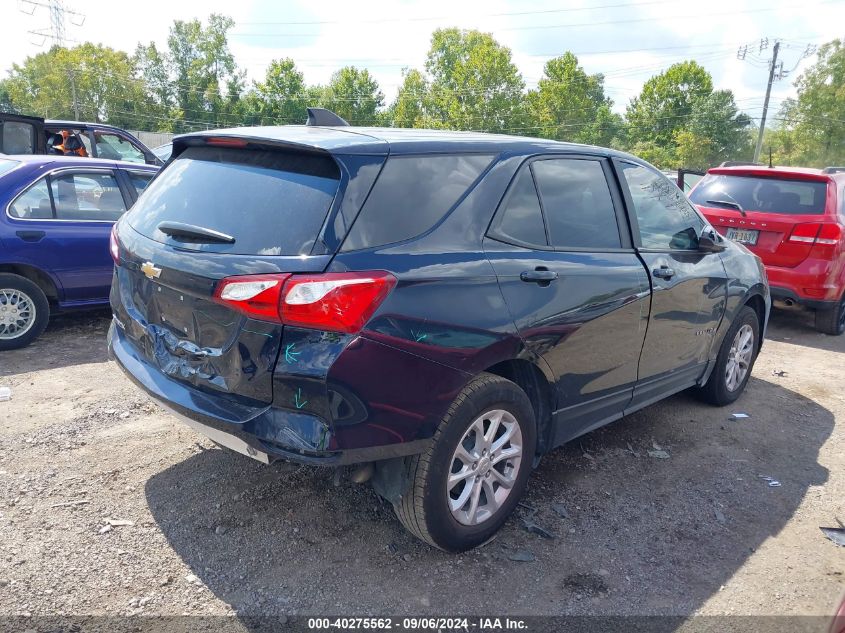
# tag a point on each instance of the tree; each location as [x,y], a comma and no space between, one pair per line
[409,108]
[282,98]
[716,131]
[570,105]
[354,95]
[151,67]
[813,124]
[666,102]
[99,80]
[474,85]
[207,81]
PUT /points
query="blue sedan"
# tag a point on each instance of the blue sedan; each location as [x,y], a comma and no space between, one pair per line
[57,214]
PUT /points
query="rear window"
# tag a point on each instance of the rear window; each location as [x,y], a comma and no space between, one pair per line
[272,203]
[768,195]
[411,195]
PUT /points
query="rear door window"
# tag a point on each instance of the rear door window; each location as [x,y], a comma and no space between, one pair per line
[272,203]
[412,194]
[766,195]
[33,204]
[520,220]
[577,203]
[93,196]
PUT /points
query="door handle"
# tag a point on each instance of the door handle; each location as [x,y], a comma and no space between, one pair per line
[540,275]
[30,236]
[664,272]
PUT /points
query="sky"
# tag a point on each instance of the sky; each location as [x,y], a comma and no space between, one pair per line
[626,40]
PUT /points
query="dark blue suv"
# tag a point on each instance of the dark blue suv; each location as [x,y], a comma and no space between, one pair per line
[438,309]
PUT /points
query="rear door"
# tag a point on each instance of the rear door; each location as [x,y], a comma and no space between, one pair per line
[689,287]
[577,291]
[62,223]
[773,210]
[270,205]
[21,134]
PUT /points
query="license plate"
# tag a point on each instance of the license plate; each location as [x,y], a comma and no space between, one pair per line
[743,236]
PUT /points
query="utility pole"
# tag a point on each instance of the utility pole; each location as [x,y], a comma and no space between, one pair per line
[772,67]
[75,100]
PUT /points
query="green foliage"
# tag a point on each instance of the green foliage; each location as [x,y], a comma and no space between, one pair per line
[570,105]
[812,129]
[469,83]
[666,102]
[103,79]
[353,95]
[473,84]
[280,99]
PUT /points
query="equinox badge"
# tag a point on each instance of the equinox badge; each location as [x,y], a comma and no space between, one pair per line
[150,270]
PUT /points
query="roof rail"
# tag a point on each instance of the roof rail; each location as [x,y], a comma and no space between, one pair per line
[833,170]
[325,118]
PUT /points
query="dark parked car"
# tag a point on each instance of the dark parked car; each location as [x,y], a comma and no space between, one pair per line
[54,236]
[440,307]
[21,134]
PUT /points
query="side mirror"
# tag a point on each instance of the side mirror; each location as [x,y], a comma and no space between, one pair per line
[709,241]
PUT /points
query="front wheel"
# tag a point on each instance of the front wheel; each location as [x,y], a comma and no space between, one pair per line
[463,488]
[24,311]
[832,321]
[735,360]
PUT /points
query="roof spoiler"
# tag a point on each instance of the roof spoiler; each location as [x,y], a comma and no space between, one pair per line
[740,163]
[324,118]
[833,170]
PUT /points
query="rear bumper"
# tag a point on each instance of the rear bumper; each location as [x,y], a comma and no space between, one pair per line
[265,433]
[787,294]
[814,283]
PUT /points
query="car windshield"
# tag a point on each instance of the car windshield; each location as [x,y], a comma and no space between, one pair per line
[766,195]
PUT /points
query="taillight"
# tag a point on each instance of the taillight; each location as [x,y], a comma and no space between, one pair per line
[339,302]
[830,234]
[258,296]
[114,245]
[805,233]
[826,234]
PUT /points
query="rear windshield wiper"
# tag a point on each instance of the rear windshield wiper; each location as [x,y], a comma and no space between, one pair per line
[192,233]
[728,203]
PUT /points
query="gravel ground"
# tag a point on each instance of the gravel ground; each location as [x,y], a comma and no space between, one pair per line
[108,506]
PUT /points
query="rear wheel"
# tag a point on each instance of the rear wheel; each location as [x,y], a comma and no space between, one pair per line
[832,321]
[466,485]
[735,360]
[24,311]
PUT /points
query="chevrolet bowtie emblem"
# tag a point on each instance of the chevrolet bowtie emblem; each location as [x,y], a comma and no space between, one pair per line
[150,270]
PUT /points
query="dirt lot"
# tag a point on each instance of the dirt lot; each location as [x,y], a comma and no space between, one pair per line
[216,533]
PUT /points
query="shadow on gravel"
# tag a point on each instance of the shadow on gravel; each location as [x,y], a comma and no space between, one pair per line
[639,535]
[71,338]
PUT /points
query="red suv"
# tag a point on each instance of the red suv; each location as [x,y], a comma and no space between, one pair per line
[793,218]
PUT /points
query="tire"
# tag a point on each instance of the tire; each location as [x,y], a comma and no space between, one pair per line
[720,389]
[435,513]
[18,294]
[832,321]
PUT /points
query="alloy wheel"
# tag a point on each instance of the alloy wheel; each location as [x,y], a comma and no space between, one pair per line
[17,313]
[484,467]
[739,357]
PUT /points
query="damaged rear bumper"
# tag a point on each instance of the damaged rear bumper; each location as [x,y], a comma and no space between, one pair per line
[263,432]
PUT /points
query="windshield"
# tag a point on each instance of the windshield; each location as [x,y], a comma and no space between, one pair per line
[767,195]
